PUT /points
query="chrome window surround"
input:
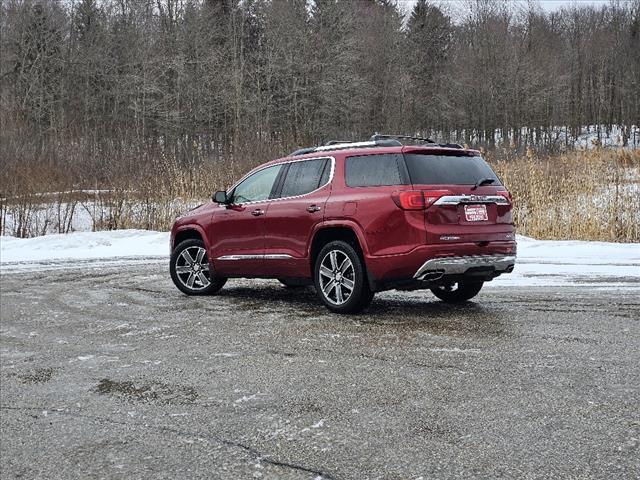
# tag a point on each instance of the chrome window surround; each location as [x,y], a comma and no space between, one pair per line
[331,174]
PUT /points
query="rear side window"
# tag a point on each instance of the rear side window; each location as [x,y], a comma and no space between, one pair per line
[304,177]
[447,169]
[373,170]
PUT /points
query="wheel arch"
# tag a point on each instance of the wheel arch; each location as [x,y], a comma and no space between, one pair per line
[328,232]
[187,232]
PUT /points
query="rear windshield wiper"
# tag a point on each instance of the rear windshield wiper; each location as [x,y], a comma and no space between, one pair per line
[483,181]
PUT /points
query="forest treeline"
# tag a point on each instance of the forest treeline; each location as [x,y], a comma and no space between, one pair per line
[94,89]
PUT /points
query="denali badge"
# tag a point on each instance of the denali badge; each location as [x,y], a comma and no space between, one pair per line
[449,237]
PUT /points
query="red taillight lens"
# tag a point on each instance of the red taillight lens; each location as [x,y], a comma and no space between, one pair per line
[418,200]
[505,194]
[410,200]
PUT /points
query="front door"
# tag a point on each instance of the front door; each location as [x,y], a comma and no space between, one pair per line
[237,233]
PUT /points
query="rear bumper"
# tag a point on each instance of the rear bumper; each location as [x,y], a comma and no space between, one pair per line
[436,268]
[452,260]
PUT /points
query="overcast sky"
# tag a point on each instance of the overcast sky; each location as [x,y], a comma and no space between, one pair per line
[548,5]
[556,4]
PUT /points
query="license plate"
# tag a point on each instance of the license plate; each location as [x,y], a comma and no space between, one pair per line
[475,213]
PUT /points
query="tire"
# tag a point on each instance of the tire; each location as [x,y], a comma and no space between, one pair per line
[293,283]
[339,261]
[192,268]
[458,292]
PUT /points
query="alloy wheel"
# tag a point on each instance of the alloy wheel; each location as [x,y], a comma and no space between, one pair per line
[192,268]
[337,277]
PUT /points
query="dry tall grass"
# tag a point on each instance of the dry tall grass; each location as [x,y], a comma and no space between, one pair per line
[36,200]
[588,195]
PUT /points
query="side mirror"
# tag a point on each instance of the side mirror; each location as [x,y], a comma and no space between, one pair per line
[220,197]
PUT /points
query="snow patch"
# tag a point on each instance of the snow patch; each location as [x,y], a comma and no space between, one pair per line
[573,262]
[455,350]
[247,398]
[84,245]
[539,262]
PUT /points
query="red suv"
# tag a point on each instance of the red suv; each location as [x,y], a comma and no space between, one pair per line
[354,219]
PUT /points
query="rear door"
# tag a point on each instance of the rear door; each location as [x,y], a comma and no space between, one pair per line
[459,209]
[292,216]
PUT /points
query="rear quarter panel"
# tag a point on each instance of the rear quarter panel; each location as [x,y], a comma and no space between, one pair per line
[386,229]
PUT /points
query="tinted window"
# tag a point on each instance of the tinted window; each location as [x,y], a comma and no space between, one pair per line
[373,170]
[256,187]
[305,177]
[447,169]
[325,173]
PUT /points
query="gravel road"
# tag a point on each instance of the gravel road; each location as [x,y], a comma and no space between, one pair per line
[109,372]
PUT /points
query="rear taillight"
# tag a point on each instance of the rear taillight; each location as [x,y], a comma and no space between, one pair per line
[418,200]
[505,194]
[410,200]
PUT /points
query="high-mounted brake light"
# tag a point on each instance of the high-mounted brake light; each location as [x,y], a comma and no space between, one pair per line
[418,200]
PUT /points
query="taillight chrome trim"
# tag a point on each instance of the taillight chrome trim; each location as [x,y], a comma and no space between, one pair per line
[457,199]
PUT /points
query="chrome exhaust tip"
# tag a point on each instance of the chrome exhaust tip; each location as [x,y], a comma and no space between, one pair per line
[431,276]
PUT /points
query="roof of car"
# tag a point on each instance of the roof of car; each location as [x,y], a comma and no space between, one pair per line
[372,150]
[350,152]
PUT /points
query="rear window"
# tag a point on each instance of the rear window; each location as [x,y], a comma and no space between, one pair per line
[373,170]
[447,169]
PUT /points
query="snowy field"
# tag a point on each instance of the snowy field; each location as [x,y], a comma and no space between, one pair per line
[540,262]
[561,137]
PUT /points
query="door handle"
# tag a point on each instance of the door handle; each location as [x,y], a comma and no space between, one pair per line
[257,212]
[313,208]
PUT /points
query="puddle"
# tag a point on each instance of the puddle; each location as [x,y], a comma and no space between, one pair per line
[39,375]
[152,392]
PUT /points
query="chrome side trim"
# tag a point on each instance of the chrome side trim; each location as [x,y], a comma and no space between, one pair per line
[459,265]
[456,199]
[241,257]
[275,256]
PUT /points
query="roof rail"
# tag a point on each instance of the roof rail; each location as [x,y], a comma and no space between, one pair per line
[376,140]
[341,146]
[302,151]
[377,136]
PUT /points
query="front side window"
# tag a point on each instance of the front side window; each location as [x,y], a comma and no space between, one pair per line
[257,187]
[373,170]
[304,177]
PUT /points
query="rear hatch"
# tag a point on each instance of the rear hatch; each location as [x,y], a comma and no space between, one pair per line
[464,199]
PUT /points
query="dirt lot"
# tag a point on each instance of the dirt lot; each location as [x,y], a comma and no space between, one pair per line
[110,372]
